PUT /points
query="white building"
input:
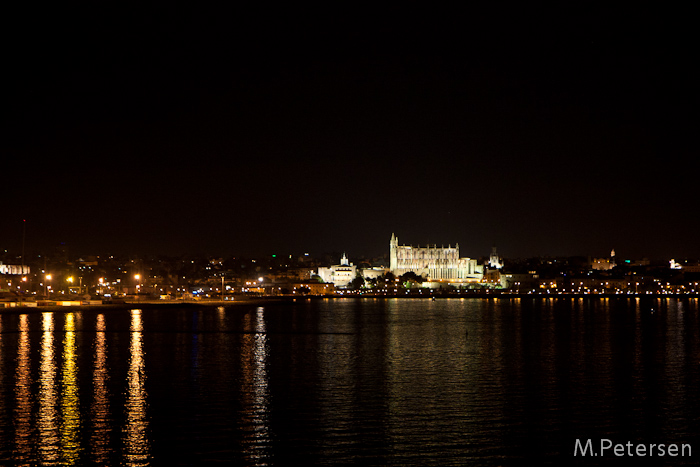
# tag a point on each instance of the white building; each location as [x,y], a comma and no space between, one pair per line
[433,263]
[341,274]
[13,269]
[494,260]
[373,273]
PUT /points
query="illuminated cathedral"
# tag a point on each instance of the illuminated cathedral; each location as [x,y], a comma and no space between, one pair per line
[433,262]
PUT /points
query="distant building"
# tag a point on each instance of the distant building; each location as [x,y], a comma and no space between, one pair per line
[373,273]
[311,288]
[494,260]
[433,263]
[492,276]
[89,261]
[685,266]
[301,274]
[13,269]
[604,264]
[341,275]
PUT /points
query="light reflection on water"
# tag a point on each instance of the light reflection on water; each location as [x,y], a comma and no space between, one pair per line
[23,382]
[47,425]
[49,452]
[3,413]
[70,401]
[135,436]
[400,382]
[100,408]
[254,390]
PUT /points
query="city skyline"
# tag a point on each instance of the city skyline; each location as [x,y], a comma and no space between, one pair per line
[541,137]
[23,253]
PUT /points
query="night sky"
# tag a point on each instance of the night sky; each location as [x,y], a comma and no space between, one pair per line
[253,132]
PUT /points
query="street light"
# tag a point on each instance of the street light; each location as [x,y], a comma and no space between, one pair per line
[46,278]
[137,277]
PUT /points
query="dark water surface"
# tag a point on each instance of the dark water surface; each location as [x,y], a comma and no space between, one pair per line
[357,381]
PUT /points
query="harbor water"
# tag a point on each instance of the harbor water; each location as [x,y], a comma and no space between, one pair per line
[351,381]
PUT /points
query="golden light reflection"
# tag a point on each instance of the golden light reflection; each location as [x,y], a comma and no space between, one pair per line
[70,401]
[47,422]
[99,411]
[3,416]
[23,408]
[255,391]
[135,435]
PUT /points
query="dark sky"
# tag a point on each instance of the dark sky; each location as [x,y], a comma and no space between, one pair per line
[252,132]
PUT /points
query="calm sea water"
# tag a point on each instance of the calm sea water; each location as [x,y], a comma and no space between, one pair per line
[341,382]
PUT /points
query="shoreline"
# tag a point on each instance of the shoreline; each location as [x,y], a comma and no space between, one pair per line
[24,307]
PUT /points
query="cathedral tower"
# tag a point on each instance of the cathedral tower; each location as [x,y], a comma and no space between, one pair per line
[393,245]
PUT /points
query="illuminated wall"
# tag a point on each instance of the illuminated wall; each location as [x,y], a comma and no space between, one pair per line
[432,262]
[13,269]
[341,274]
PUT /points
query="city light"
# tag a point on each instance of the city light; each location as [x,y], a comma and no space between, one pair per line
[537,276]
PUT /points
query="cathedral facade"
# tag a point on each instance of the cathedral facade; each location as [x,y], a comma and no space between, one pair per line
[433,263]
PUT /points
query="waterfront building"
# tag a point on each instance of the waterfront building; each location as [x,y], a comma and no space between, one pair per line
[492,277]
[14,269]
[433,262]
[311,288]
[341,275]
[373,273]
[521,281]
